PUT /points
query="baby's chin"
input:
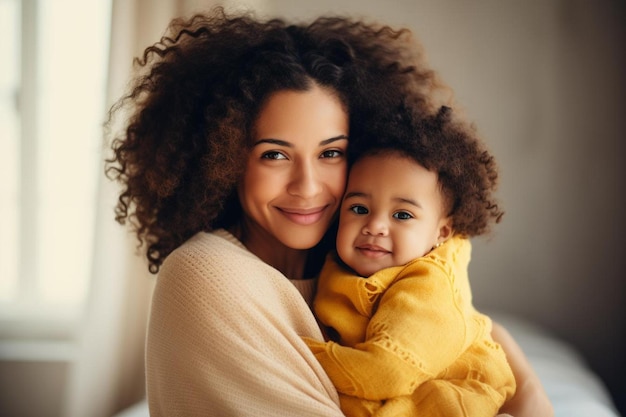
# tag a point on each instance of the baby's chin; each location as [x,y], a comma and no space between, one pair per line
[369,271]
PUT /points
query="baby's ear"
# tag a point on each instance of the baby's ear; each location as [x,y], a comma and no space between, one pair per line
[445,229]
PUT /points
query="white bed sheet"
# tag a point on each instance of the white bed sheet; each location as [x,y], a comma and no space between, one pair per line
[575,391]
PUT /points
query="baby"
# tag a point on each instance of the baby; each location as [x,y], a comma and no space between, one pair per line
[395,300]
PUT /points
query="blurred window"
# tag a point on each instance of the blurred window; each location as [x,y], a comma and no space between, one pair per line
[52,106]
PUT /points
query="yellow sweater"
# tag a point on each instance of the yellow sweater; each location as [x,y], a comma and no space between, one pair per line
[408,340]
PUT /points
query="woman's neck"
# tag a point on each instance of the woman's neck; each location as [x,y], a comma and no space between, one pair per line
[290,262]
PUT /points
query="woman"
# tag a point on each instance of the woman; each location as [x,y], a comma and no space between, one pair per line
[233,165]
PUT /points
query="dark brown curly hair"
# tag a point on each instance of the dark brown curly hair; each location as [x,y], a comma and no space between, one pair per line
[190,109]
[446,145]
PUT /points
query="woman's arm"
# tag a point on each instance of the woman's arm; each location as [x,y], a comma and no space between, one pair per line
[530,398]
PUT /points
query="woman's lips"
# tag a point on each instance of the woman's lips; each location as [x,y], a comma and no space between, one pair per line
[304,217]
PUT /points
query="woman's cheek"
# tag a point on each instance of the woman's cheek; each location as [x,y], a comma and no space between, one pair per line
[338,182]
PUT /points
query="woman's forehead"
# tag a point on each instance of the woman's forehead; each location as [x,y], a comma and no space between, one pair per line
[290,115]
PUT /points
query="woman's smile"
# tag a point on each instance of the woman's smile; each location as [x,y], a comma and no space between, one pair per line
[304,216]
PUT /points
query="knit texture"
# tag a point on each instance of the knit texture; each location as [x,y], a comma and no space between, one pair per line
[408,341]
[224,337]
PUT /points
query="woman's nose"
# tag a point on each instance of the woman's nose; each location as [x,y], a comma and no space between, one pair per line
[305,181]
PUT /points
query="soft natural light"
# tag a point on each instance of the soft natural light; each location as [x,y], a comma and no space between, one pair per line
[74,52]
[63,151]
[9,148]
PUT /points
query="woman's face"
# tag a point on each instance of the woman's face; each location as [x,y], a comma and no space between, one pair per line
[296,171]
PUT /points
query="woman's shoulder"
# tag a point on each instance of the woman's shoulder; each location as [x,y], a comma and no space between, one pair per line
[205,257]
[220,239]
[214,272]
[206,248]
[217,261]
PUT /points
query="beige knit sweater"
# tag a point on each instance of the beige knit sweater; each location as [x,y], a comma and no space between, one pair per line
[224,337]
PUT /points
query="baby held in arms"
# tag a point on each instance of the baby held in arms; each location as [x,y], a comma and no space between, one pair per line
[403,338]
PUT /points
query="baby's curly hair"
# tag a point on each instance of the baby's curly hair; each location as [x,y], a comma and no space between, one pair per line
[446,145]
[192,106]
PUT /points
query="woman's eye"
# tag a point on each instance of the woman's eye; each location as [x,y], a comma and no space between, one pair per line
[332,153]
[402,215]
[358,209]
[273,155]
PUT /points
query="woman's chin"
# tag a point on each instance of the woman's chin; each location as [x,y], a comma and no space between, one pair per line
[300,239]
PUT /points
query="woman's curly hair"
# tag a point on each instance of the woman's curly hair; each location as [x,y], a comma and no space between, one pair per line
[191,108]
[444,144]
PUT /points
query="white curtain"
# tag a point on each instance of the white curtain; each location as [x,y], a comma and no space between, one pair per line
[108,373]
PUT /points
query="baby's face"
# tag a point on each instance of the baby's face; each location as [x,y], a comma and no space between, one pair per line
[392,212]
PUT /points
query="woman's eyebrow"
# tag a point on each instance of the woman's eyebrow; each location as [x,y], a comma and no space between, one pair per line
[278,142]
[281,142]
[333,139]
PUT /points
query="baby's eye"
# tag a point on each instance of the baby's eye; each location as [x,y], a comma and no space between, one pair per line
[332,153]
[402,215]
[358,209]
[273,155]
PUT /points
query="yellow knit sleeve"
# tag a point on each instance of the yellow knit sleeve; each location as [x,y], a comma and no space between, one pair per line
[416,332]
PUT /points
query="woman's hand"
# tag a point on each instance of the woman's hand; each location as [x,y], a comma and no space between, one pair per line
[530,399]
